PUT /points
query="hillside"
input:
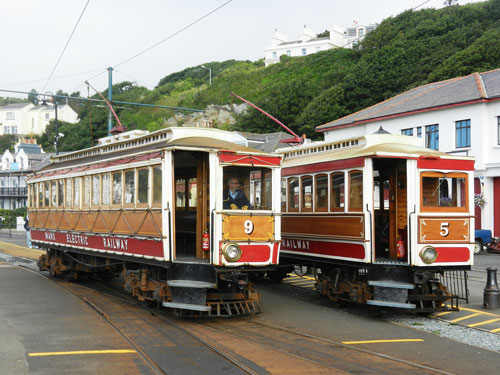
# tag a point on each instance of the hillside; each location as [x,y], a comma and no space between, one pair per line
[411,49]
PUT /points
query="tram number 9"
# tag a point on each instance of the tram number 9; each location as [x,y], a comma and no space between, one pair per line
[248,226]
[444,229]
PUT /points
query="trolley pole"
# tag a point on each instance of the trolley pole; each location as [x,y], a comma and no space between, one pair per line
[110,98]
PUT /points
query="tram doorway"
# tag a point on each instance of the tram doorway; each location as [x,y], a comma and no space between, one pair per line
[390,209]
[191,199]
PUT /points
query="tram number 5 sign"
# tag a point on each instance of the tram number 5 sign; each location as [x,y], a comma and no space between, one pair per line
[443,230]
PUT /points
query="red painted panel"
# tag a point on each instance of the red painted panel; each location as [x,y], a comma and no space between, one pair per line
[325,166]
[496,206]
[477,210]
[276,248]
[451,164]
[227,157]
[129,246]
[339,249]
[255,253]
[452,254]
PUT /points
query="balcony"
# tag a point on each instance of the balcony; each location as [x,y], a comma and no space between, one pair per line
[13,191]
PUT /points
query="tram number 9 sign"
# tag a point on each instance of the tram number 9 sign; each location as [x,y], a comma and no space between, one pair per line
[243,228]
[443,230]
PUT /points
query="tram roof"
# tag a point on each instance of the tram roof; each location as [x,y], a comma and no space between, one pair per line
[136,142]
[369,145]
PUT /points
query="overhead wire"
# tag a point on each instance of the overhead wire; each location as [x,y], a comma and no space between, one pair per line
[66,46]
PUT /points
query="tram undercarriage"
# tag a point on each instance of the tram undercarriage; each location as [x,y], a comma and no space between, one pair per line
[191,289]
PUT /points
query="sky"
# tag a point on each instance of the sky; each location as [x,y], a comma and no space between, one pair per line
[145,40]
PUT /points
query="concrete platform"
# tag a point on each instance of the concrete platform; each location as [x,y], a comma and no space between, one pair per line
[47,330]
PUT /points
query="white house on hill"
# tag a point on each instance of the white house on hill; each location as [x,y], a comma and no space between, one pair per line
[459,116]
[26,118]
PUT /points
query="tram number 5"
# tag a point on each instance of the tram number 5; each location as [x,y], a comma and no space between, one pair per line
[444,229]
[248,226]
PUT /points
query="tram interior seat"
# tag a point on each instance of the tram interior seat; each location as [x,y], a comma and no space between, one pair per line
[185,232]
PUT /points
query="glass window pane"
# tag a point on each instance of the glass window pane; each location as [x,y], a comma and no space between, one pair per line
[96,190]
[444,191]
[117,188]
[47,195]
[130,186]
[307,192]
[76,189]
[180,192]
[69,192]
[247,188]
[293,193]
[86,191]
[143,184]
[106,189]
[322,192]
[60,193]
[193,192]
[355,191]
[283,194]
[157,184]
[53,193]
[338,191]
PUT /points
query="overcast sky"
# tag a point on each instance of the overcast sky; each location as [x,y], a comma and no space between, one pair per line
[110,32]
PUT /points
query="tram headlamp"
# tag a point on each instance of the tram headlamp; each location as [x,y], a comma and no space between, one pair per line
[231,251]
[428,254]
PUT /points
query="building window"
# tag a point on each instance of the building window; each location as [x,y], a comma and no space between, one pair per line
[432,136]
[361,32]
[351,32]
[318,48]
[14,130]
[10,116]
[47,116]
[275,55]
[289,53]
[6,130]
[304,51]
[408,132]
[462,129]
[419,132]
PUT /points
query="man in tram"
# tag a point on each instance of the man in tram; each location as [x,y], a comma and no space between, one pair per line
[234,197]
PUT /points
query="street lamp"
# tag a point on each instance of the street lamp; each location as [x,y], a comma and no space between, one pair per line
[209,74]
[44,102]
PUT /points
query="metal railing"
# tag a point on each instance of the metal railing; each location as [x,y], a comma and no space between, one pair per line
[456,283]
[13,191]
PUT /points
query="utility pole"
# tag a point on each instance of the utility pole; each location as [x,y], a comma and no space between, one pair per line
[110,98]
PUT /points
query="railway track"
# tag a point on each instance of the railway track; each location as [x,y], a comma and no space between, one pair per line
[171,345]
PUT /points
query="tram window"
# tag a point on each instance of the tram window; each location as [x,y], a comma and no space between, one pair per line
[69,192]
[293,194]
[180,193]
[76,189]
[46,201]
[307,185]
[40,194]
[338,192]
[60,193]
[355,191]
[96,189]
[86,191]
[157,185]
[247,188]
[321,192]
[381,202]
[192,192]
[142,185]
[444,191]
[117,188]
[106,189]
[53,194]
[283,194]
[130,187]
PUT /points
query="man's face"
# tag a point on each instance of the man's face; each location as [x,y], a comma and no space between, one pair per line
[233,184]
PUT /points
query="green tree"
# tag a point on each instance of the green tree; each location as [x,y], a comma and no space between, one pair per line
[33,96]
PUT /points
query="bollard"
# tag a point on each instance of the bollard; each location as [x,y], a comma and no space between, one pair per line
[491,292]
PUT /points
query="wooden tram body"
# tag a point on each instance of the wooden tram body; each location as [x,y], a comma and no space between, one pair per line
[385,220]
[150,205]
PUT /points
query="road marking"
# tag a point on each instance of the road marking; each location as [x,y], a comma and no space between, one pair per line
[444,313]
[464,317]
[123,351]
[380,341]
[478,311]
[485,322]
[495,330]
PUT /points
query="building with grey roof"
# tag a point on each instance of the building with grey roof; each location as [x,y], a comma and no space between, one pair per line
[459,116]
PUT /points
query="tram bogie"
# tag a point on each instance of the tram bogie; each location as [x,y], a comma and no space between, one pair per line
[154,207]
[383,220]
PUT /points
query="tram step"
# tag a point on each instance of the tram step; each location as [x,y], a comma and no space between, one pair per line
[191,284]
[391,284]
[186,306]
[391,304]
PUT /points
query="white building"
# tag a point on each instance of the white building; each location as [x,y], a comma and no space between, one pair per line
[28,119]
[308,42]
[459,116]
[14,169]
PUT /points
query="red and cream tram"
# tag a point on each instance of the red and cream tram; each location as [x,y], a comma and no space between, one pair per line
[150,205]
[383,219]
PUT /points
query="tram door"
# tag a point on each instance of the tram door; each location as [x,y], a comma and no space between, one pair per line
[191,204]
[390,209]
